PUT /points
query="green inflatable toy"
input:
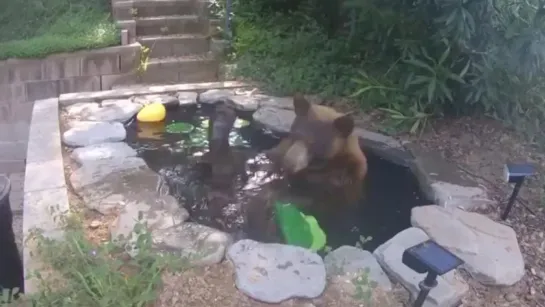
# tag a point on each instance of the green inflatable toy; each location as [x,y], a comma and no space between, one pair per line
[299,229]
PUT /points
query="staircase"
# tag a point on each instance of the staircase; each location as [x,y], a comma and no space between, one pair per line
[177,34]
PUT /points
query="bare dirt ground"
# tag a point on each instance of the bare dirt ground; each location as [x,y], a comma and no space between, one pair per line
[480,147]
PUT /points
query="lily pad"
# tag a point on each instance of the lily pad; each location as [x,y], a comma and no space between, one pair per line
[179,127]
[299,229]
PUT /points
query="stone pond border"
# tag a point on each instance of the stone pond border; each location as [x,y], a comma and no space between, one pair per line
[46,185]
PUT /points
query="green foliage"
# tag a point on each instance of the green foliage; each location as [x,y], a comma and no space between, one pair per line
[290,61]
[413,59]
[364,286]
[92,275]
[36,28]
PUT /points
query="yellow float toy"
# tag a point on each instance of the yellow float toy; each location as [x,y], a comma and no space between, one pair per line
[152,113]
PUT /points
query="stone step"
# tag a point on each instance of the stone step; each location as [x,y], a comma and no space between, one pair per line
[175,45]
[127,10]
[190,69]
[168,25]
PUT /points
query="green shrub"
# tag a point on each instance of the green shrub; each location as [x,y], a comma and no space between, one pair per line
[34,29]
[412,58]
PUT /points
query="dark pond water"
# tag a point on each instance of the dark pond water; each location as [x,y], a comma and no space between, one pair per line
[389,192]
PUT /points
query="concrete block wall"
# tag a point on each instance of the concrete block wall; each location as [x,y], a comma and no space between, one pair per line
[23,80]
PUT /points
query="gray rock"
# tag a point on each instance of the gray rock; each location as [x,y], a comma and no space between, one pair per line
[90,133]
[187,98]
[199,244]
[81,110]
[125,188]
[450,288]
[93,172]
[246,102]
[274,119]
[451,195]
[211,96]
[102,151]
[119,110]
[159,214]
[490,250]
[274,272]
[277,102]
[153,98]
[350,260]
[444,183]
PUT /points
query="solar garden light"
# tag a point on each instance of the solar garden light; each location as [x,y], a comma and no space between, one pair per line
[431,258]
[515,173]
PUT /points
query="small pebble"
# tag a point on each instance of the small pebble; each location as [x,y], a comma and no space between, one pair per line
[94,224]
[510,297]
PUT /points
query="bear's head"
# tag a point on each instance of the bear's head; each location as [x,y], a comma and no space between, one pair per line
[318,134]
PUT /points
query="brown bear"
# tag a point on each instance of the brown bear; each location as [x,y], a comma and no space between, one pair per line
[322,150]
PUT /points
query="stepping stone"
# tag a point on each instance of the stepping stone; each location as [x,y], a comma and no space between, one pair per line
[272,273]
[450,287]
[350,260]
[490,250]
[90,133]
[102,151]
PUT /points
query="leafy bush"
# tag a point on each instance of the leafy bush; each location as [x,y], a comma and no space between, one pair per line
[414,58]
[36,28]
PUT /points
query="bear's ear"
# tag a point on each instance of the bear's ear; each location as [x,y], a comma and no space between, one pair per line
[300,105]
[344,124]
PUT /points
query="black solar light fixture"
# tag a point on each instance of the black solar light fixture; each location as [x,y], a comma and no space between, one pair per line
[434,260]
[515,173]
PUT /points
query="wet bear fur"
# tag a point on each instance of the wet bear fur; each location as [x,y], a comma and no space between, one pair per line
[321,153]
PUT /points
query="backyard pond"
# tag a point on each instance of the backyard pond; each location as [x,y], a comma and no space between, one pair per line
[242,206]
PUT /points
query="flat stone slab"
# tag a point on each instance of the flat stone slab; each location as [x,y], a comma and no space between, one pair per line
[117,150]
[350,260]
[96,171]
[115,110]
[90,133]
[111,110]
[153,89]
[149,99]
[490,250]
[211,96]
[274,119]
[277,102]
[444,183]
[187,98]
[81,110]
[247,101]
[450,288]
[199,244]
[159,213]
[272,273]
